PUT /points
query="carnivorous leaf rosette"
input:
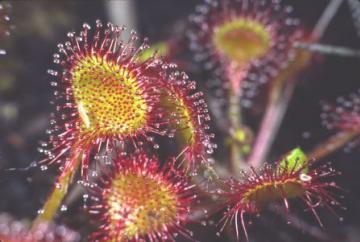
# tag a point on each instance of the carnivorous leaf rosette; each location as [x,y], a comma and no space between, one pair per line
[243,40]
[104,96]
[139,200]
[294,177]
[187,113]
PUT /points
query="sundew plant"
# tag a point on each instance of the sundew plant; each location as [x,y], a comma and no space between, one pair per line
[164,120]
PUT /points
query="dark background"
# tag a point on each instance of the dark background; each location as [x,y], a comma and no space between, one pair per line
[25,94]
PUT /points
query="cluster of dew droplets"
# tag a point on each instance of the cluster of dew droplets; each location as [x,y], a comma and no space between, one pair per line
[203,52]
[344,114]
[319,192]
[284,30]
[279,56]
[141,165]
[16,230]
[133,53]
[106,42]
[5,25]
[196,107]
